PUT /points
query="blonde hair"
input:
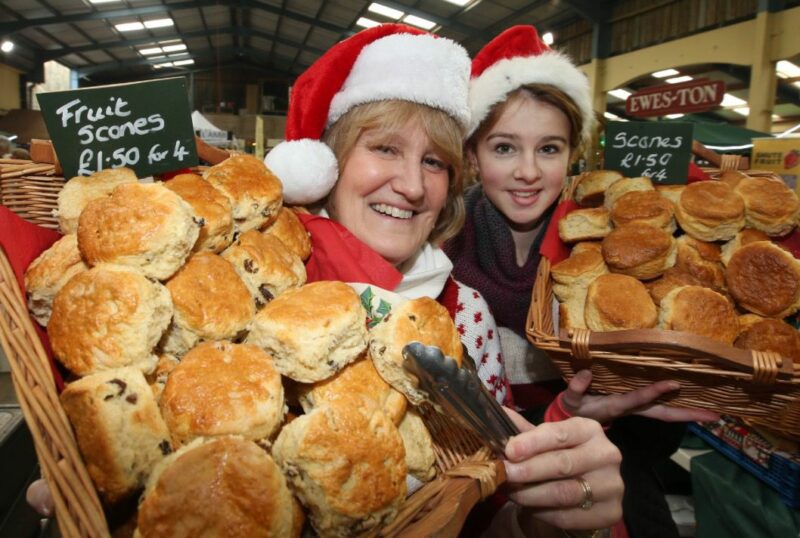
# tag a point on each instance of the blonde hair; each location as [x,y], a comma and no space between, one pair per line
[391,116]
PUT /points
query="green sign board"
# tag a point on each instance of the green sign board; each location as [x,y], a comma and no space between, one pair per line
[658,150]
[145,126]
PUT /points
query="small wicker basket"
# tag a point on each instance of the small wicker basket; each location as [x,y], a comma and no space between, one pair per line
[758,385]
[467,471]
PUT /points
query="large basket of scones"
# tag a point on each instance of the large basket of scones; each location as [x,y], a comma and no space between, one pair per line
[691,283]
[209,390]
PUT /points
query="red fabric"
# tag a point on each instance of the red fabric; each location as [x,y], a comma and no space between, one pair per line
[555,411]
[313,91]
[552,246]
[517,41]
[449,297]
[791,243]
[169,175]
[339,255]
[536,395]
[696,174]
[22,242]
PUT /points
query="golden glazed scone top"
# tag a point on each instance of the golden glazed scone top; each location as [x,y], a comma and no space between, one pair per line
[288,228]
[764,279]
[210,298]
[771,335]
[617,302]
[711,201]
[768,198]
[702,311]
[224,487]
[634,244]
[579,263]
[642,206]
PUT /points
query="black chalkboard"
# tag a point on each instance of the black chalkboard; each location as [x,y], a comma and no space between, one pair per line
[145,126]
[658,150]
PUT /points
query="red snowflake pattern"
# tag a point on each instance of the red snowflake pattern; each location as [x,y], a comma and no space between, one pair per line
[461,329]
[479,342]
[476,295]
[459,307]
[490,334]
[478,316]
[484,358]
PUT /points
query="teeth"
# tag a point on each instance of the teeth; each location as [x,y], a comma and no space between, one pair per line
[392,211]
[524,194]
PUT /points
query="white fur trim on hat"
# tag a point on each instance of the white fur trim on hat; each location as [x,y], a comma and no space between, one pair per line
[307,168]
[551,67]
[407,76]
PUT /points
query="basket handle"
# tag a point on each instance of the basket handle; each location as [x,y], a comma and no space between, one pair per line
[765,366]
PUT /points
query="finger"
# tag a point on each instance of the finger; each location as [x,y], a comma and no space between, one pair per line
[600,516]
[668,413]
[619,405]
[564,463]
[569,493]
[577,387]
[39,497]
[519,421]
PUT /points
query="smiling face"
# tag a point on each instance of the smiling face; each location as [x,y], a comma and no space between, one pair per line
[392,187]
[522,159]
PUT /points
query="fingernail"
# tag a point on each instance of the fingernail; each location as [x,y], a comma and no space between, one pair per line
[511,470]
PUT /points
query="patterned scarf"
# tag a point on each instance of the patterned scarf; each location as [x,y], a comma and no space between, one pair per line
[484,257]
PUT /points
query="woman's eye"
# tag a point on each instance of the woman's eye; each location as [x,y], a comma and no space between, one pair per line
[388,150]
[503,148]
[433,162]
[551,149]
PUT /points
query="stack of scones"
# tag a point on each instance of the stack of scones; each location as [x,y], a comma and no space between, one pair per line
[699,258]
[182,313]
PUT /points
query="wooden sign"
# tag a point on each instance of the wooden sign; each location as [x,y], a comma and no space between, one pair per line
[693,96]
[658,150]
[145,126]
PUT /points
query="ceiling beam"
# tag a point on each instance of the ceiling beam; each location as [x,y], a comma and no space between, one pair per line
[594,11]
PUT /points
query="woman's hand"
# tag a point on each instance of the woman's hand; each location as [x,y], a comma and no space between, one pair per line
[547,464]
[638,402]
[40,498]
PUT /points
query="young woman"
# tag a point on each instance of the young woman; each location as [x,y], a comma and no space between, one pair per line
[379,119]
[531,111]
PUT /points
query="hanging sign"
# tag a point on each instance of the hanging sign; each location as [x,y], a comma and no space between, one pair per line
[658,150]
[779,155]
[145,126]
[693,96]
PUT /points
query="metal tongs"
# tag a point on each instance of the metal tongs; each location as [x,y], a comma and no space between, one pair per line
[459,393]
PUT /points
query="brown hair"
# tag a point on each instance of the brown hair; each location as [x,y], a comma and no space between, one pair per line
[388,116]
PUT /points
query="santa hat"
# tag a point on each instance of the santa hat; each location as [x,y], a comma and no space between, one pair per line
[518,57]
[391,61]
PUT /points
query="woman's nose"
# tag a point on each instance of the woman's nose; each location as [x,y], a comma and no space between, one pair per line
[527,168]
[410,181]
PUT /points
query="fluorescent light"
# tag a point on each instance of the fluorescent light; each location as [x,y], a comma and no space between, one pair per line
[178,54]
[459,2]
[674,116]
[159,23]
[153,50]
[676,80]
[743,110]
[620,93]
[174,48]
[7,46]
[786,69]
[775,117]
[164,64]
[184,62]
[665,73]
[367,23]
[167,41]
[386,11]
[102,1]
[789,131]
[129,26]
[419,22]
[796,84]
[731,101]
[548,38]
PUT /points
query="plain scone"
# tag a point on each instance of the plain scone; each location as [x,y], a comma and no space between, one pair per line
[110,316]
[119,430]
[639,250]
[313,331]
[710,211]
[146,226]
[220,388]
[592,186]
[617,302]
[764,279]
[769,205]
[346,467]
[218,488]
[418,320]
[420,457]
[699,310]
[49,272]
[584,225]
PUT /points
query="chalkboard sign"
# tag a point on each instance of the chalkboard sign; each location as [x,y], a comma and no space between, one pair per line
[145,126]
[658,150]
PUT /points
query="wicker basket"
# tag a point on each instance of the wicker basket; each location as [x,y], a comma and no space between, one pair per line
[467,471]
[758,385]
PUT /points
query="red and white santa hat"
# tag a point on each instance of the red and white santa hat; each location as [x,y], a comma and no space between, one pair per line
[518,57]
[391,61]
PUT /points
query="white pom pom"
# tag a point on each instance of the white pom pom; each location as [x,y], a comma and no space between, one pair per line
[307,168]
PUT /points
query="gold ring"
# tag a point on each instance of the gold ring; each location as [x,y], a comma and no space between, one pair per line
[588,498]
